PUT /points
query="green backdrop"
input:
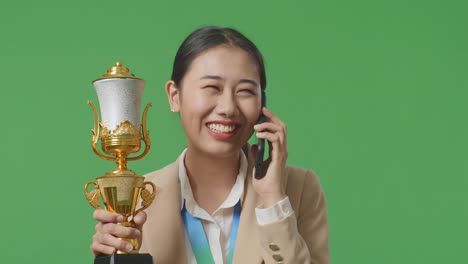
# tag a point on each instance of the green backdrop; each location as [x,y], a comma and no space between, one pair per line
[374,94]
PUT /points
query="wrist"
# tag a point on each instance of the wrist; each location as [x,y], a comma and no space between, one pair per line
[269,200]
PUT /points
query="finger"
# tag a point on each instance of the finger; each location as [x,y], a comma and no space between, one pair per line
[98,227]
[98,249]
[107,217]
[277,151]
[268,126]
[272,136]
[111,241]
[140,219]
[273,117]
[120,231]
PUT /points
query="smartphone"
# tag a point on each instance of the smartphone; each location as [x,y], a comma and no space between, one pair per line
[261,143]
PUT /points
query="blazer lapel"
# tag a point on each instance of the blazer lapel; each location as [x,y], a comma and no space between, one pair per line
[164,233]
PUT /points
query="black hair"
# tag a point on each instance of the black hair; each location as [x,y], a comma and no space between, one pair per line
[208,37]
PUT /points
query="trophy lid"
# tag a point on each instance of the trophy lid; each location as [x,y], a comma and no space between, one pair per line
[117,71]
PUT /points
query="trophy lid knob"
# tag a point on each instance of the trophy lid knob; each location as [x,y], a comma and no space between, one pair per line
[118,71]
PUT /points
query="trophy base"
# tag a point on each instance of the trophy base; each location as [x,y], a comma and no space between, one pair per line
[124,259]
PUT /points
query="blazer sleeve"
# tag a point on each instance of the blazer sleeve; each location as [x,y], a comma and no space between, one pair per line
[303,236]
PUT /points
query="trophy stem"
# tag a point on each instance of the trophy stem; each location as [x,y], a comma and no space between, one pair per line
[121,161]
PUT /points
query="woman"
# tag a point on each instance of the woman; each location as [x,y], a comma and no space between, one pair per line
[209,208]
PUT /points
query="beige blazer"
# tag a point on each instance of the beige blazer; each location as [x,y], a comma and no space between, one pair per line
[287,241]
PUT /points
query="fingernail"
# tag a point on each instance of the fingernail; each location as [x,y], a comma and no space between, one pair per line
[119,218]
[128,247]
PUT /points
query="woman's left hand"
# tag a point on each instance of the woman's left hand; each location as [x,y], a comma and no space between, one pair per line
[270,188]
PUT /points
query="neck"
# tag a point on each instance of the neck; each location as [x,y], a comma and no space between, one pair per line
[211,178]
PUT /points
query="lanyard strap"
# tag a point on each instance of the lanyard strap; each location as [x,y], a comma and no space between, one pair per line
[198,240]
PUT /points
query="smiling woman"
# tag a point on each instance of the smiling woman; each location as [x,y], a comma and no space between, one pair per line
[209,208]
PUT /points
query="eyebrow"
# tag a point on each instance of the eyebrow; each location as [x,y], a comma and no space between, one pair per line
[216,77]
[254,83]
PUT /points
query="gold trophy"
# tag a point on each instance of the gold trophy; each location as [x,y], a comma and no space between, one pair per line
[119,93]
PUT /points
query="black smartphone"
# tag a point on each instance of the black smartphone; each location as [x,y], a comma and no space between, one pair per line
[261,143]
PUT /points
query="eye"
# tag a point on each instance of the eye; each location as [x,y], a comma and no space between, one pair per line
[249,91]
[212,87]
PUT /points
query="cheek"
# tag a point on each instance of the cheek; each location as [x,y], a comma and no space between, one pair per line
[251,110]
[194,107]
[190,101]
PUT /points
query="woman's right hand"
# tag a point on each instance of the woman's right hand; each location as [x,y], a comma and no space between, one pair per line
[105,240]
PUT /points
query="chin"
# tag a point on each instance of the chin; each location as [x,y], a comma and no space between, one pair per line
[221,149]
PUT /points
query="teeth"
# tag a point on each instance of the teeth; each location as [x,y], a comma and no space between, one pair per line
[221,128]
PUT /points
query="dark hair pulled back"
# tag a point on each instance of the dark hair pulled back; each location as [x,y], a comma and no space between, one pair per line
[208,37]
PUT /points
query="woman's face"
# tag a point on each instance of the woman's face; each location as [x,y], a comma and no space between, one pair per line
[219,100]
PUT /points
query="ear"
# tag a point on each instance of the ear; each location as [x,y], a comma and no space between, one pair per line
[173,95]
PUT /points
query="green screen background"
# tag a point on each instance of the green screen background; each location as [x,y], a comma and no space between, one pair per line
[374,94]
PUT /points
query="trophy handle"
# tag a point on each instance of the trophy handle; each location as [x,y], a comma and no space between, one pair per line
[145,134]
[93,196]
[96,133]
[147,196]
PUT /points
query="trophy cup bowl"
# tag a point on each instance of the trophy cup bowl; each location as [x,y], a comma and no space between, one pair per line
[121,133]
[120,195]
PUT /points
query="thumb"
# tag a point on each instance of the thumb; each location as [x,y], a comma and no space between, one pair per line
[140,219]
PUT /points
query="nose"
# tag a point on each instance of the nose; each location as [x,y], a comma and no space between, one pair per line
[227,105]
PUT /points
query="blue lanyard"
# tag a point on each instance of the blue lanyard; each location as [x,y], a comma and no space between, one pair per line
[198,240]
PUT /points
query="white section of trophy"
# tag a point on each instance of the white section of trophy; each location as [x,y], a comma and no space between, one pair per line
[119,100]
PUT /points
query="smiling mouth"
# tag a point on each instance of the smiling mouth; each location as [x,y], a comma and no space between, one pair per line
[219,128]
